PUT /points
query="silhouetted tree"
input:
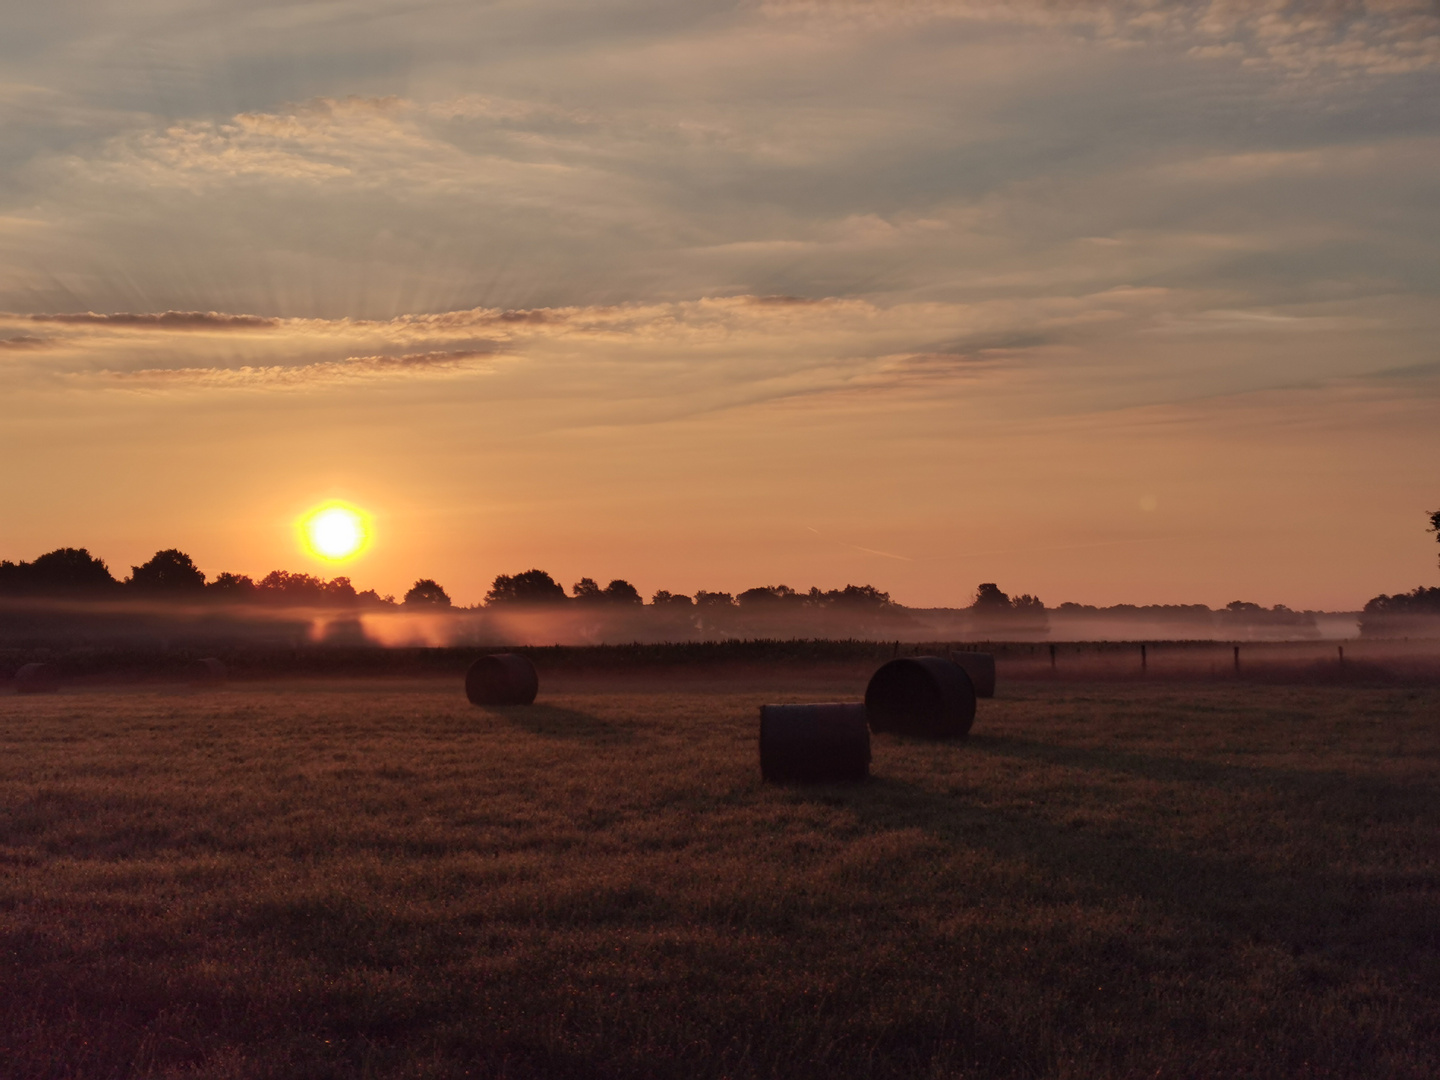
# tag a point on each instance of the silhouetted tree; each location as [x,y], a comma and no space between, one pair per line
[1435,525]
[62,572]
[621,591]
[1025,604]
[232,587]
[994,610]
[339,592]
[1421,601]
[170,571]
[587,591]
[854,596]
[665,598]
[769,597]
[426,593]
[713,599]
[989,598]
[531,587]
[304,590]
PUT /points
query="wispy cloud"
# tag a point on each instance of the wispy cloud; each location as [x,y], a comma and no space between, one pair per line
[166,320]
[1375,37]
[281,377]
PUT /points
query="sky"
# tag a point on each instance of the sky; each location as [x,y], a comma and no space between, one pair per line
[1107,301]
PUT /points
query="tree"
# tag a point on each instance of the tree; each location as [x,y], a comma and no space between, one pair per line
[587,591]
[768,597]
[283,587]
[850,596]
[170,571]
[989,598]
[340,592]
[62,572]
[427,593]
[665,598]
[1435,525]
[621,591]
[232,587]
[531,587]
[713,599]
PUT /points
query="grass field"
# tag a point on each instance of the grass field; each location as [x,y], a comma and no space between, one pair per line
[377,879]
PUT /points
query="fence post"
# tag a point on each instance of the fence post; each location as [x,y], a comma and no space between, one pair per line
[1237,659]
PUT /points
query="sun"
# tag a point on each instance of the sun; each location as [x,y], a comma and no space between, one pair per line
[335,531]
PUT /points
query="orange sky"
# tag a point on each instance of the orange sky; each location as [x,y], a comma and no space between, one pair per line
[911,295]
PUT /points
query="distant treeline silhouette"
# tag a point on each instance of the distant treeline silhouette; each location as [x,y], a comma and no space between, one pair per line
[1403,613]
[73,573]
[76,574]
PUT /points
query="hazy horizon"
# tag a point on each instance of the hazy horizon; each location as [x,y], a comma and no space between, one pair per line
[1122,301]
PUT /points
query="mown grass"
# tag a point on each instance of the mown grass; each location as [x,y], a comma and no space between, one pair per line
[378,879]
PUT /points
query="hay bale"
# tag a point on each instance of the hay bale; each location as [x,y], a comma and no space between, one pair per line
[921,695]
[814,743]
[206,672]
[37,679]
[502,679]
[980,666]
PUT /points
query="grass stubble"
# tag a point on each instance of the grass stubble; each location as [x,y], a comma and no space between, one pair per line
[378,879]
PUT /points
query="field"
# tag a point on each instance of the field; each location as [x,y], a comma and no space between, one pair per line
[373,878]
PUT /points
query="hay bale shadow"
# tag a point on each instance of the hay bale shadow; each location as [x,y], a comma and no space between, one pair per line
[1380,919]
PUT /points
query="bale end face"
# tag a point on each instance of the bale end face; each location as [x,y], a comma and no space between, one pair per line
[814,744]
[37,679]
[502,679]
[921,695]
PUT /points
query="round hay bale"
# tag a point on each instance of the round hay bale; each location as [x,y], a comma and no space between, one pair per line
[980,666]
[206,672]
[921,695]
[502,679]
[37,679]
[814,744]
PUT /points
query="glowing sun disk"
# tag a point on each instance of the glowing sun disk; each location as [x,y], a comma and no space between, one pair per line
[334,532]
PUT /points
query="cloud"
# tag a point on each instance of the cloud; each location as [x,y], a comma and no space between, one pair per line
[1299,37]
[22,342]
[167,320]
[281,377]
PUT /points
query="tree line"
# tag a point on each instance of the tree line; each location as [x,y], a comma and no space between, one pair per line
[74,573]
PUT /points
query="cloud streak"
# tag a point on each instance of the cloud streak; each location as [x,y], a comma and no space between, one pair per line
[1299,37]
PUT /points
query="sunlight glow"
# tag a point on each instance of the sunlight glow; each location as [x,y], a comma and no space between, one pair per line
[335,531]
